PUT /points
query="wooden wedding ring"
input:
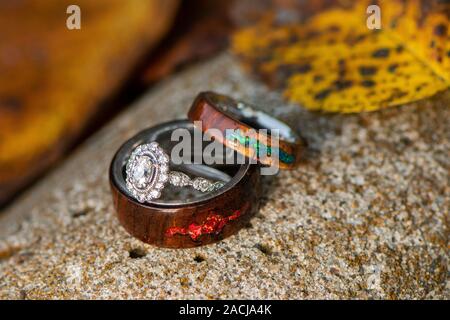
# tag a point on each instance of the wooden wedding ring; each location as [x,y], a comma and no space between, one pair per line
[216,111]
[206,219]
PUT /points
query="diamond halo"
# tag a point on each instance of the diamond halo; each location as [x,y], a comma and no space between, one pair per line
[147,172]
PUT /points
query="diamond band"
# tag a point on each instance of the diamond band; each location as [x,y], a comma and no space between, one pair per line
[180,179]
[147,173]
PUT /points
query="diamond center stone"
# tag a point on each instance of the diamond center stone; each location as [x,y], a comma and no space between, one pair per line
[147,172]
[142,171]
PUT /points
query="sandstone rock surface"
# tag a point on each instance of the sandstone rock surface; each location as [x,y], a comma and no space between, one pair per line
[365,216]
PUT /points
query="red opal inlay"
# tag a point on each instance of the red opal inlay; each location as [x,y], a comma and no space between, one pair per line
[213,224]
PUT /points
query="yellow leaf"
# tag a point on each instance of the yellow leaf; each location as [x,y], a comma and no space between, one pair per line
[335,63]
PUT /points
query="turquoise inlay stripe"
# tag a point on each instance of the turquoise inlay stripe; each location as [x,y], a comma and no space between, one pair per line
[260,148]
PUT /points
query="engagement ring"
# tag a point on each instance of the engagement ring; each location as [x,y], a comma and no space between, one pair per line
[147,173]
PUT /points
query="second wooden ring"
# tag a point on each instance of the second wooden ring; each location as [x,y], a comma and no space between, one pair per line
[239,128]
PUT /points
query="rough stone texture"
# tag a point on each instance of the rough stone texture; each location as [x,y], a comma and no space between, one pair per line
[365,216]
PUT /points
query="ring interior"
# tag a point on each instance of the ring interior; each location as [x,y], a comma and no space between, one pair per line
[231,174]
[247,114]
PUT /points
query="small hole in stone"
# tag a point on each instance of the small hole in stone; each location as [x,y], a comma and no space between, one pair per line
[264,248]
[23,294]
[24,257]
[137,253]
[198,258]
[80,213]
[249,225]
